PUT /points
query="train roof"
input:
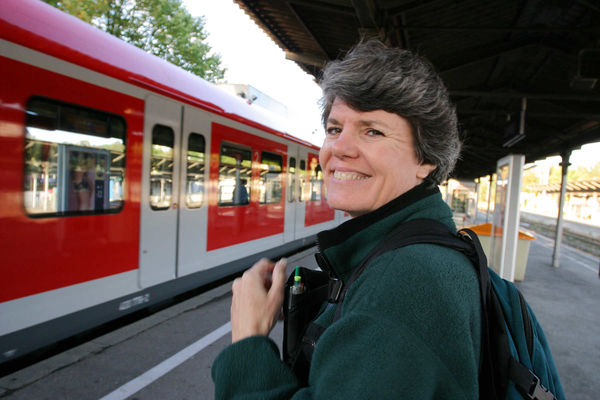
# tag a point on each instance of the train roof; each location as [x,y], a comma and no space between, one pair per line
[41,27]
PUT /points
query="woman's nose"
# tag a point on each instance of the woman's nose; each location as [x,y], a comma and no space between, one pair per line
[345,144]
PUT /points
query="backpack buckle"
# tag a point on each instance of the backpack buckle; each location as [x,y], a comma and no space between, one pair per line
[538,392]
[335,289]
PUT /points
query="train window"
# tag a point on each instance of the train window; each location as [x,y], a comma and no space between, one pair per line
[271,166]
[74,160]
[195,171]
[292,180]
[235,173]
[302,184]
[316,183]
[161,168]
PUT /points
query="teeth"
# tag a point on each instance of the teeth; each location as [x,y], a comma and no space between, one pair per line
[349,176]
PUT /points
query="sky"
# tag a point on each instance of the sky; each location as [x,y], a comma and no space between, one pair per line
[586,156]
[251,57]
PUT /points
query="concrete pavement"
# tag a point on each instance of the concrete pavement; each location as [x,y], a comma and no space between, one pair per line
[566,301]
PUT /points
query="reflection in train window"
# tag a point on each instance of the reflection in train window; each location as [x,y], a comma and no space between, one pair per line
[292,180]
[161,167]
[235,173]
[74,159]
[303,186]
[271,166]
[195,171]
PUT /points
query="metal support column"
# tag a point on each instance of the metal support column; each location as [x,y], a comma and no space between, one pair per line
[561,204]
[477,185]
[487,215]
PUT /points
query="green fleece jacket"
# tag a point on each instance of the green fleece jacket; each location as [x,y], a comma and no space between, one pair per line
[410,326]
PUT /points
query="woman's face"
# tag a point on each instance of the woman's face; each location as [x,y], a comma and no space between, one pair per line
[368,159]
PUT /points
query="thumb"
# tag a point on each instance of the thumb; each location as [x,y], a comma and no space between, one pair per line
[279,277]
[275,294]
[276,290]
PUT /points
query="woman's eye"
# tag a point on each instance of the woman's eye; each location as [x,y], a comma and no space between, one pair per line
[374,132]
[333,131]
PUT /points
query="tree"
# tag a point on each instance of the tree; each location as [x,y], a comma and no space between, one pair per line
[161,27]
[530,179]
[578,173]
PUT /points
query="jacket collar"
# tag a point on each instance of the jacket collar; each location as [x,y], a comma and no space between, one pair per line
[350,239]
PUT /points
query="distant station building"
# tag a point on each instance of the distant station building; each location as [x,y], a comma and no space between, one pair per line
[582,200]
[255,97]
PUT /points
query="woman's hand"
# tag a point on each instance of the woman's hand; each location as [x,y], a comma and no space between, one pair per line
[257,299]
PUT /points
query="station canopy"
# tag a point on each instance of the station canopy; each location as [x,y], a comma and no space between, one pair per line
[497,57]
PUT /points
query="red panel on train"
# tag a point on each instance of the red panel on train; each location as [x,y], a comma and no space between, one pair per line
[51,252]
[247,191]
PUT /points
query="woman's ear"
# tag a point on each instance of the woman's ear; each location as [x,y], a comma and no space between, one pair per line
[424,170]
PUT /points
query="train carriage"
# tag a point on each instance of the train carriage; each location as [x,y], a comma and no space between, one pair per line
[126,180]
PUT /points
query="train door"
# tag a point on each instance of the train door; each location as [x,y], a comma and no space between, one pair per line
[159,191]
[302,191]
[292,192]
[193,204]
[247,181]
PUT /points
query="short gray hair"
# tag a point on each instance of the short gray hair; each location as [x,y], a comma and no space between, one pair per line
[374,77]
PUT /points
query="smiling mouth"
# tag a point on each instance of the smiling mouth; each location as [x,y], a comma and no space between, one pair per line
[349,176]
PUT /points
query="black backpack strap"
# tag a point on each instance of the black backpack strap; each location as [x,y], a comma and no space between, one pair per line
[492,369]
[414,231]
[526,324]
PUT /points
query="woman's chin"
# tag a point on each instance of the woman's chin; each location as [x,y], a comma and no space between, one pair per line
[346,206]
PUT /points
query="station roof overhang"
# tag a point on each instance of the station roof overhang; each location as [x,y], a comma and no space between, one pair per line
[497,58]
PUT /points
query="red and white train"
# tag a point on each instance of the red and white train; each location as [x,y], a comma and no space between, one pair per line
[125,180]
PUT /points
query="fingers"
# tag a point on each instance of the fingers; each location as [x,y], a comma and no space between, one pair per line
[262,269]
[257,299]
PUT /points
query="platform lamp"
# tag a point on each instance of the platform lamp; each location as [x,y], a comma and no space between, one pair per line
[588,69]
[514,131]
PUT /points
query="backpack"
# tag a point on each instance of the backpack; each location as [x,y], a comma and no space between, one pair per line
[516,361]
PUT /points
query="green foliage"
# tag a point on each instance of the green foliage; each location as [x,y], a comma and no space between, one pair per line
[583,173]
[161,27]
[530,178]
[575,173]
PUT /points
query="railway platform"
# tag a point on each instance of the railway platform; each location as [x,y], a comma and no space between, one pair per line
[169,354]
[566,302]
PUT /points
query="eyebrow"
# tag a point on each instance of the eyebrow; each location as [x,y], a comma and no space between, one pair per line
[366,122]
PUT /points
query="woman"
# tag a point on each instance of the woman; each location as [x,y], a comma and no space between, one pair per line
[410,326]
